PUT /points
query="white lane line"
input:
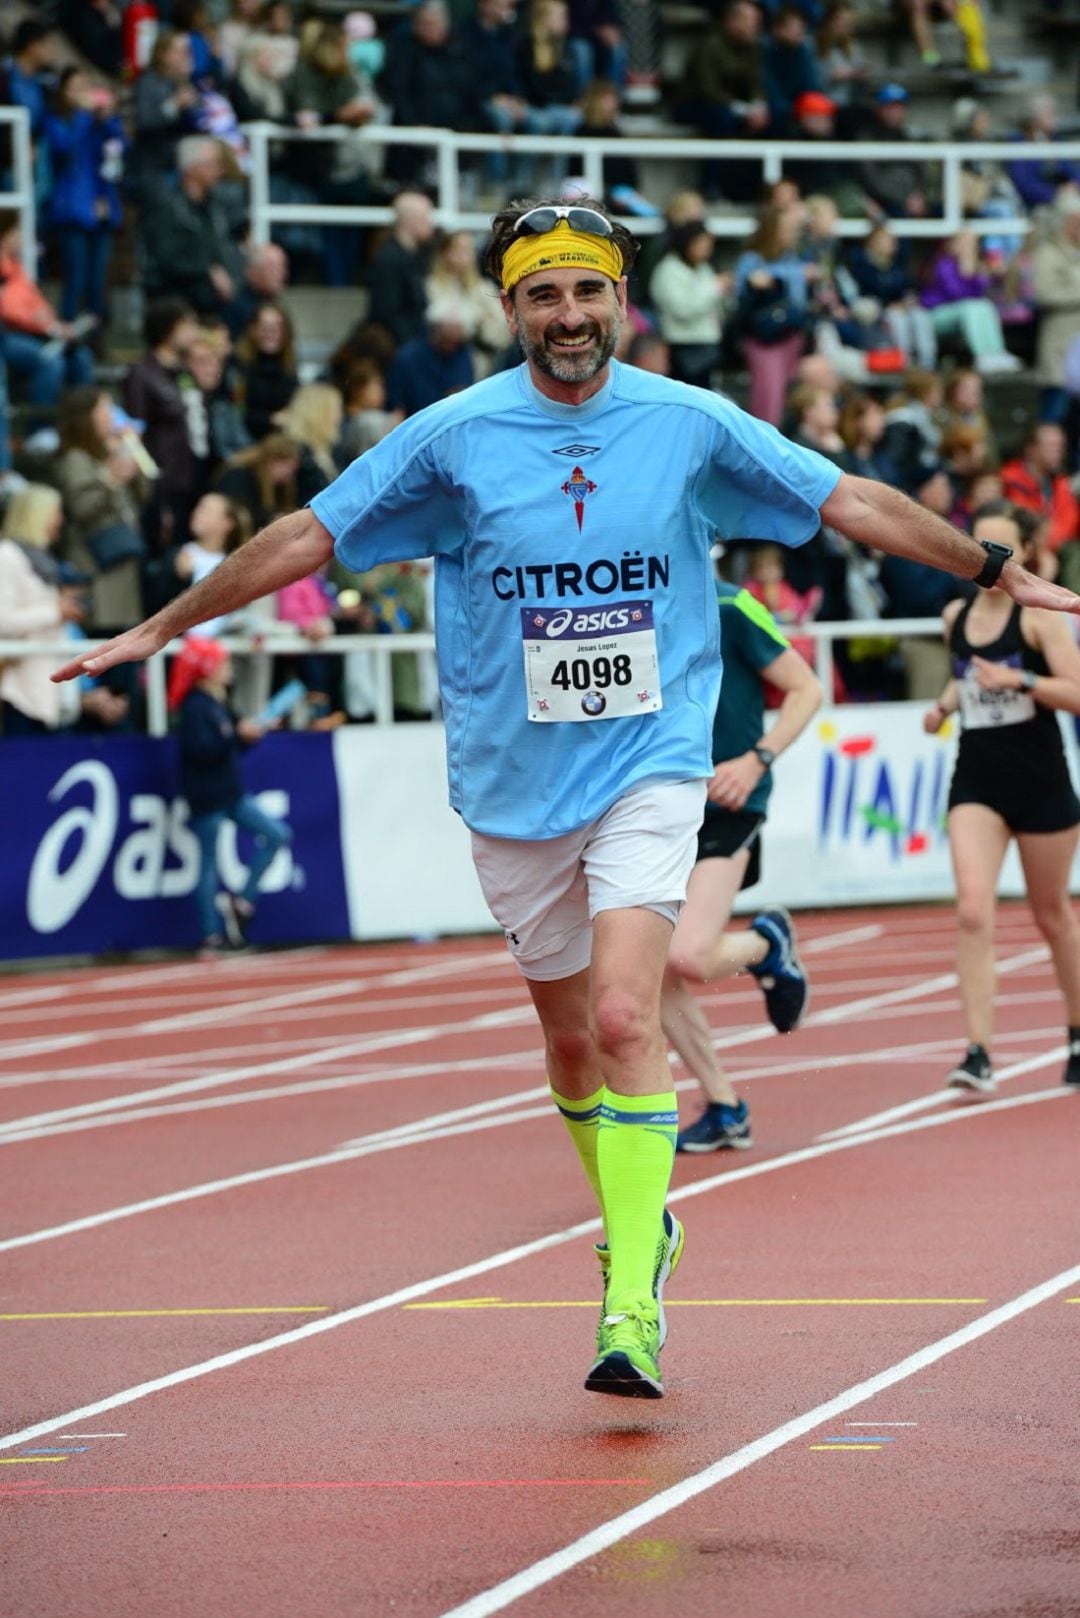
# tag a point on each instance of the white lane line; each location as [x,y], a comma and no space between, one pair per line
[466,1272]
[938,1098]
[313,1012]
[23,1129]
[930,1052]
[84,983]
[843,940]
[511,1060]
[504,1594]
[211,1081]
[249,1011]
[422,1134]
[233,995]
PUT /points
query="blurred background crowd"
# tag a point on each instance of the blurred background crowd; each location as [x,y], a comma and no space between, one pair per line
[169,384]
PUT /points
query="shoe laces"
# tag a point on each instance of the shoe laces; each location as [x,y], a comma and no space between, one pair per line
[634,1326]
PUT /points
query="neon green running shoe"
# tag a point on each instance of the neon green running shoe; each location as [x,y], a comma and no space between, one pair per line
[669,1250]
[628,1348]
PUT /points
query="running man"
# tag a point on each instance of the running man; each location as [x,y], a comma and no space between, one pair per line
[570,505]
[755,653]
[1012,668]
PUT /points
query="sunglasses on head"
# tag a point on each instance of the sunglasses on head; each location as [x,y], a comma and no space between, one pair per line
[538,221]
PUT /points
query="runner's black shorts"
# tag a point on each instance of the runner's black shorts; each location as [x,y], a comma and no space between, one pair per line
[725,833]
[1044,804]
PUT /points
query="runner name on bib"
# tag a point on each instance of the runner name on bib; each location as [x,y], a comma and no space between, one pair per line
[988,710]
[590,662]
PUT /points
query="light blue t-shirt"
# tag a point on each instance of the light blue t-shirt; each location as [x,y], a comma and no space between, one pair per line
[530,506]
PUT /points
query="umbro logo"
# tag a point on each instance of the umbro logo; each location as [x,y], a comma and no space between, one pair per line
[578,450]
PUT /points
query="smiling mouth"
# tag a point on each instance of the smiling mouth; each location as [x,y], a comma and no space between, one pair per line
[571,343]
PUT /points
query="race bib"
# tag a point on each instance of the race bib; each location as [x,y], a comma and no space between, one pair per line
[987,710]
[591,662]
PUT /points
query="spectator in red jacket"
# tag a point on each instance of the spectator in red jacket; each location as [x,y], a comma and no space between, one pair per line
[1035,480]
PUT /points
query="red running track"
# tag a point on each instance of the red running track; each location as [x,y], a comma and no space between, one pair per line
[297,1295]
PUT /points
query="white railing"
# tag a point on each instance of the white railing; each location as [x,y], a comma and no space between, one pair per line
[291,644]
[774,156]
[20,199]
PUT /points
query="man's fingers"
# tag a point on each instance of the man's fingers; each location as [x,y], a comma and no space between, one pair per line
[70,671]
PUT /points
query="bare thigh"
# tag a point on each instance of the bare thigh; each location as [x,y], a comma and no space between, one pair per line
[978,842]
[710,894]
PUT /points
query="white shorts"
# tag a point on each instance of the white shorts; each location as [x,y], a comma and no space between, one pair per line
[544,894]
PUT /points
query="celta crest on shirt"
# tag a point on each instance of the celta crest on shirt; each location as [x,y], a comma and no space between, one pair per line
[578,487]
[560,249]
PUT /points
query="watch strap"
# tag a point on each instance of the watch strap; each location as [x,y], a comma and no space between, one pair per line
[996,557]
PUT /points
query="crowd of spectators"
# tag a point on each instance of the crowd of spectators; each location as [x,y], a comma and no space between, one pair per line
[124,481]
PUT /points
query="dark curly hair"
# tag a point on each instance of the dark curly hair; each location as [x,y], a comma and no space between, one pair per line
[505,221]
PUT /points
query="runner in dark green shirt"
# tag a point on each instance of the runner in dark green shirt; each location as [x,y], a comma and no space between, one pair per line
[755,654]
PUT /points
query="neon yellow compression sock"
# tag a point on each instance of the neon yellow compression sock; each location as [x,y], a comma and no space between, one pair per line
[635,1152]
[582,1119]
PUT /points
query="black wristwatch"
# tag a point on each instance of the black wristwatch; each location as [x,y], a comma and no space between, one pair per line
[765,755]
[996,557]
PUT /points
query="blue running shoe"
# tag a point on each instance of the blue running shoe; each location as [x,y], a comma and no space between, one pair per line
[718,1126]
[783,981]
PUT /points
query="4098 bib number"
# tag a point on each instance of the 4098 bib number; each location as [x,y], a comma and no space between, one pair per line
[583,673]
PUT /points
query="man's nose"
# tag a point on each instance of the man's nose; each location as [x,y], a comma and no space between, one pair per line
[571,315]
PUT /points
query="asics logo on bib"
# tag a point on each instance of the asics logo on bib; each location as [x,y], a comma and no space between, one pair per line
[583,623]
[631,573]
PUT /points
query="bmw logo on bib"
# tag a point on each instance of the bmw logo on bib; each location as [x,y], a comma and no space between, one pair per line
[593,703]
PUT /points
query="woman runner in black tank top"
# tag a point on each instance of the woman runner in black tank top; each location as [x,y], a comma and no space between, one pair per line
[1012,667]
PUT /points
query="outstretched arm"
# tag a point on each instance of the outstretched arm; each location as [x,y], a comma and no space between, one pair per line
[288,549]
[877,515]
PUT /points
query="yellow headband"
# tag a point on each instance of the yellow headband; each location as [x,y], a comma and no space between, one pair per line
[560,249]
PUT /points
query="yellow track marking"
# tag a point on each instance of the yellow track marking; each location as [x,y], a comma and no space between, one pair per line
[847,1446]
[694,1303]
[30,1460]
[143,1314]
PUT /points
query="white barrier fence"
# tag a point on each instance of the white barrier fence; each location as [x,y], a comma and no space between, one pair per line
[19,198]
[288,643]
[589,154]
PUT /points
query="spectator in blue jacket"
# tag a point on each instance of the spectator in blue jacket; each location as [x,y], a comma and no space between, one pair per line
[1039,179]
[790,64]
[28,70]
[436,364]
[211,744]
[85,142]
[489,39]
[596,43]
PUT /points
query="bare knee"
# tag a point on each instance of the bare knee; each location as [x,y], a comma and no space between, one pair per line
[1055,919]
[974,916]
[623,1026]
[571,1050]
[691,962]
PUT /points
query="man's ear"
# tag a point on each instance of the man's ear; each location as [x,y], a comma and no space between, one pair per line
[509,311]
[621,294]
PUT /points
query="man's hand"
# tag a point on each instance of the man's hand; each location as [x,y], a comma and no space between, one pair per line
[221,281]
[249,731]
[934,718]
[130,647]
[734,780]
[1031,591]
